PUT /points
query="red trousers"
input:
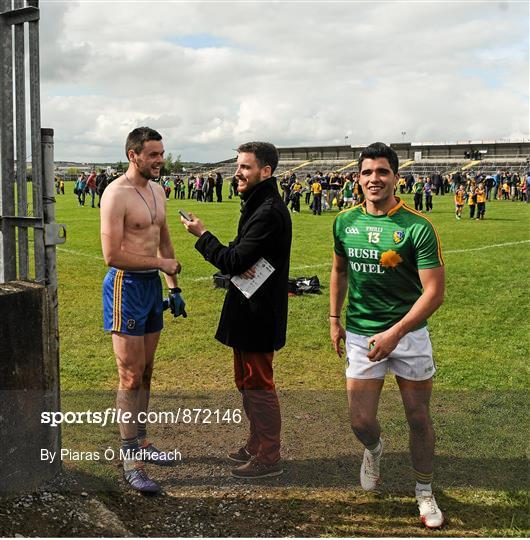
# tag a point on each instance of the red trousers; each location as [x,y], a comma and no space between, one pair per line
[254,379]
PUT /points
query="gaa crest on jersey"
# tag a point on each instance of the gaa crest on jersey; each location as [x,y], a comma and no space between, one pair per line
[398,236]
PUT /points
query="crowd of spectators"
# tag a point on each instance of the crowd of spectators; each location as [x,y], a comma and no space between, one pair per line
[201,187]
[91,185]
[326,191]
[323,192]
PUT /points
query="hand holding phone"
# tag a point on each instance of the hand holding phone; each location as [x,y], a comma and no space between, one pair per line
[185,215]
[192,223]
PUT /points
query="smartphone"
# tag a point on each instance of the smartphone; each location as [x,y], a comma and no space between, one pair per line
[185,215]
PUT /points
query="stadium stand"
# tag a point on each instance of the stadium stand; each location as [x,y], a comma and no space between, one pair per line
[416,158]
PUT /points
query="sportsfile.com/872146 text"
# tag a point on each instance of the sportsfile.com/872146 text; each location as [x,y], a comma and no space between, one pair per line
[113,416]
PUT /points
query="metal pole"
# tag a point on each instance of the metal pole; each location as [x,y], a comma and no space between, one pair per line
[48,186]
[51,368]
[36,152]
[8,263]
[22,184]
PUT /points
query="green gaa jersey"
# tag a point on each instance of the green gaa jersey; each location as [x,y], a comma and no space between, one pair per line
[418,187]
[384,254]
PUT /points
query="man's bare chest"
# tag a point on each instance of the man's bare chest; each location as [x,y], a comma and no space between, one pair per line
[144,210]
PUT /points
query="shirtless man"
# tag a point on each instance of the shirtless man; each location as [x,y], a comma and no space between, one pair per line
[136,245]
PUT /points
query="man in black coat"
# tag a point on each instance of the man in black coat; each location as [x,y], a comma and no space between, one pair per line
[219,187]
[254,327]
[438,183]
[101,185]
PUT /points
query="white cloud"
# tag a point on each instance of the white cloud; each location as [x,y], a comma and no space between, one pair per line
[291,73]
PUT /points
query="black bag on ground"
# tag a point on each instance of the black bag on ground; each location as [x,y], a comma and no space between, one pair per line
[303,285]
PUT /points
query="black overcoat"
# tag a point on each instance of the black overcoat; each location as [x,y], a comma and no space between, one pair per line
[257,324]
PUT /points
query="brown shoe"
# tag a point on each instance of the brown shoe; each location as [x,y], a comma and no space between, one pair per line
[240,456]
[255,469]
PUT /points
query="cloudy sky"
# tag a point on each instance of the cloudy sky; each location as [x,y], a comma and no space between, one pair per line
[211,75]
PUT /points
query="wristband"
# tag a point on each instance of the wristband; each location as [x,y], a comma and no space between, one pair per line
[175,290]
[334,316]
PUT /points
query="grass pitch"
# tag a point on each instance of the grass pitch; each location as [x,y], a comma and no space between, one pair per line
[480,339]
[480,334]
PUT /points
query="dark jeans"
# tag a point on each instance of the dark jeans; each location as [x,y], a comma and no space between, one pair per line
[472,211]
[253,376]
[428,202]
[317,204]
[295,202]
[481,210]
[418,201]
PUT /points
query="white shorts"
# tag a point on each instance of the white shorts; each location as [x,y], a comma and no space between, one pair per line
[412,359]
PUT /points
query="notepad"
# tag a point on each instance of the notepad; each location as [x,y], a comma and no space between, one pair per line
[249,286]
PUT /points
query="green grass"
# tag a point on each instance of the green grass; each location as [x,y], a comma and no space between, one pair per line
[480,338]
[480,334]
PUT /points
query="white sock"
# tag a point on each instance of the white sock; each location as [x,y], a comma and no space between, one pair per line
[376,452]
[423,487]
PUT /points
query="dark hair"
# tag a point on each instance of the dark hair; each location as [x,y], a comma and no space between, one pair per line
[380,150]
[266,153]
[137,137]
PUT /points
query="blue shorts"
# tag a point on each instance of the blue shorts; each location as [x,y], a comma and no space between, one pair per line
[132,302]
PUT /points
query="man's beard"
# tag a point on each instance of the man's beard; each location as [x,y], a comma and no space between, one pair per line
[145,171]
